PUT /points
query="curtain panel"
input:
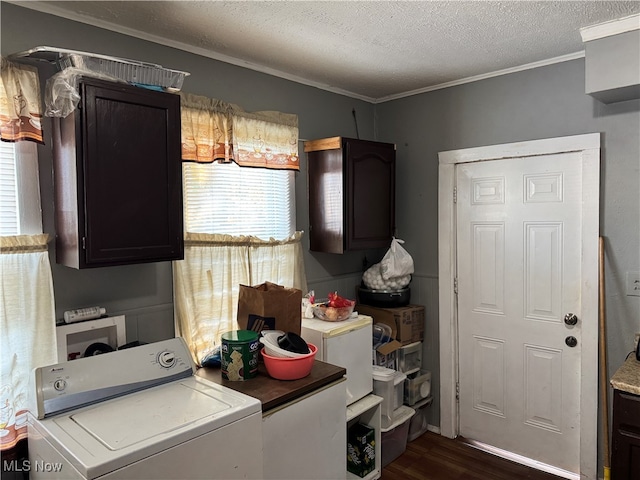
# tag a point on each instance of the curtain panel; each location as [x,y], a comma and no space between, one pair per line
[20,105]
[207,282]
[213,130]
[27,327]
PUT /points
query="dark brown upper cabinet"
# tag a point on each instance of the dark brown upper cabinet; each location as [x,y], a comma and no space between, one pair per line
[118,177]
[351,194]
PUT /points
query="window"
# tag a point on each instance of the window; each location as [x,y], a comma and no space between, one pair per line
[20,212]
[227,199]
[27,312]
[223,204]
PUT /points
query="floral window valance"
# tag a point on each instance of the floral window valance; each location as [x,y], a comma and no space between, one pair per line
[213,130]
[20,106]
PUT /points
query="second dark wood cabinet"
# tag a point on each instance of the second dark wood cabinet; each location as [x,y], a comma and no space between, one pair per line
[351,194]
[625,452]
[118,177]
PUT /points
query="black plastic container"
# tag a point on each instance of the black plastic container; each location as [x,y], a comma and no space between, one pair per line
[384,298]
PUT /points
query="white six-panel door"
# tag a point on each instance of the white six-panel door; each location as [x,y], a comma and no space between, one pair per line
[518,230]
[518,253]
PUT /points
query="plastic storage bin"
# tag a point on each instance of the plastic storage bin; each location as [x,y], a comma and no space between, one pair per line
[419,423]
[394,438]
[417,387]
[388,384]
[410,358]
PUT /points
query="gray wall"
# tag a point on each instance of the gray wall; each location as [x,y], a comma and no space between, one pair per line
[541,103]
[613,67]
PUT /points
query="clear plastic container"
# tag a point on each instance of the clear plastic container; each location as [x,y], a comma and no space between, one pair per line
[394,438]
[419,423]
[130,71]
[417,387]
[388,384]
[410,358]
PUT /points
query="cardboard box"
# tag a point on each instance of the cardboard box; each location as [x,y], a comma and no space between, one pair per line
[408,321]
[361,449]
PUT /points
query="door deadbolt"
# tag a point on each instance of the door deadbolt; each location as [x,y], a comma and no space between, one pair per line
[570,319]
[571,341]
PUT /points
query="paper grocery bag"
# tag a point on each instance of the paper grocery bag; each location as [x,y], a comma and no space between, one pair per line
[269,307]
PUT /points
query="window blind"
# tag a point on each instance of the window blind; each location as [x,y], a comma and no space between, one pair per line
[9,214]
[227,199]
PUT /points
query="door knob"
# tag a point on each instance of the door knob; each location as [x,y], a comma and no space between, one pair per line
[570,319]
[571,341]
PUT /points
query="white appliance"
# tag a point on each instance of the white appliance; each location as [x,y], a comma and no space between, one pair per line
[347,344]
[141,413]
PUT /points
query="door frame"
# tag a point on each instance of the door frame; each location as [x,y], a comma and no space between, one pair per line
[589,146]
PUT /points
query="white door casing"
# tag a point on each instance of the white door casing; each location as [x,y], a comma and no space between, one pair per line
[582,152]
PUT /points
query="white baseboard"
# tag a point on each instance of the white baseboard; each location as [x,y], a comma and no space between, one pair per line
[433,428]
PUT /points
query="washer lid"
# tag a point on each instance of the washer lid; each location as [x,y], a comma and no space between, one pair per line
[132,419]
[105,437]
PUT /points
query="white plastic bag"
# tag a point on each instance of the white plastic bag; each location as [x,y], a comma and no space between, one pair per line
[374,281]
[396,262]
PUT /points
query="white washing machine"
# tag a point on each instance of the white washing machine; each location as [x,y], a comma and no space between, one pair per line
[141,413]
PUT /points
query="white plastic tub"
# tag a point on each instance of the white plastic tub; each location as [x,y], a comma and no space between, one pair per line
[388,384]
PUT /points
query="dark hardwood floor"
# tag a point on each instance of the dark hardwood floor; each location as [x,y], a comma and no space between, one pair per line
[433,457]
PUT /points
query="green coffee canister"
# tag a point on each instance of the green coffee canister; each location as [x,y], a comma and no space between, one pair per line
[239,355]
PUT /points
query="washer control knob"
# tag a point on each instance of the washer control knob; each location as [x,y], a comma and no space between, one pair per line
[166,359]
[59,384]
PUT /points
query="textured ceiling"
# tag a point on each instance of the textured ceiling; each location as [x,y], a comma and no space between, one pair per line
[374,50]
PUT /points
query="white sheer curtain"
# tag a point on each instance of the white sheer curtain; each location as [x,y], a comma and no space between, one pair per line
[27,327]
[27,312]
[207,281]
[230,208]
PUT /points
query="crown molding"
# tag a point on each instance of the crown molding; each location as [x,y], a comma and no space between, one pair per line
[613,27]
[476,78]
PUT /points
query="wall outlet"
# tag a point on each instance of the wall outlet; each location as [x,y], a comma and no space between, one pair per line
[633,283]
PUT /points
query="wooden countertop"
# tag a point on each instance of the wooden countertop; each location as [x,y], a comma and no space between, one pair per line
[273,393]
[627,377]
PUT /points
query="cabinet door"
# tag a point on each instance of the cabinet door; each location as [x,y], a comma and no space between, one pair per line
[306,438]
[625,453]
[132,175]
[325,178]
[370,181]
